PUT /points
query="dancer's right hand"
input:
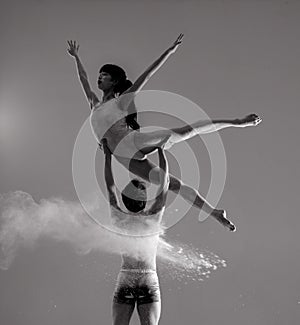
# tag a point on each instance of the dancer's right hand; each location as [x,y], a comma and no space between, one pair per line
[175,45]
[73,48]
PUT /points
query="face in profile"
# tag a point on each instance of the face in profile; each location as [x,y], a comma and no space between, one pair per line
[105,81]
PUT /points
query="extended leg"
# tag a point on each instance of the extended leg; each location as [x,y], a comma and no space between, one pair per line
[150,172]
[148,142]
[203,127]
[193,196]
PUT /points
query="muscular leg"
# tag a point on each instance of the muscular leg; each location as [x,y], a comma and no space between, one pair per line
[203,127]
[148,142]
[122,313]
[149,313]
[150,172]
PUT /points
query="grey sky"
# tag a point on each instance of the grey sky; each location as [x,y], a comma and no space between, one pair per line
[237,57]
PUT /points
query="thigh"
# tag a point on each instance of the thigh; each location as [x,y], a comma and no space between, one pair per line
[142,168]
[149,313]
[147,140]
[148,171]
[148,299]
[123,300]
[122,313]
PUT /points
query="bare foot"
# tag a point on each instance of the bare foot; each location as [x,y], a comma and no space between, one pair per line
[249,120]
[220,215]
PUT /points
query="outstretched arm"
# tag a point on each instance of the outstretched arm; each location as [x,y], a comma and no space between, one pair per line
[144,77]
[83,77]
[109,179]
[160,200]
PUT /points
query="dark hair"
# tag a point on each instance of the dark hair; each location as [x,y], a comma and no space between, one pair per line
[118,74]
[134,196]
[122,86]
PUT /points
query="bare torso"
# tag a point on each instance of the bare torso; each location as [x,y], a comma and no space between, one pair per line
[149,262]
[139,251]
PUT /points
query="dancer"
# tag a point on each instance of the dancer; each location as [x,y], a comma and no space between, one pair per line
[137,281]
[112,117]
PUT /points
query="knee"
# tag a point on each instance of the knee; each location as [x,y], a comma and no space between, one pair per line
[175,184]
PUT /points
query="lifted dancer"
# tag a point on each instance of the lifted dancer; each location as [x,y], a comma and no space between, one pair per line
[113,117]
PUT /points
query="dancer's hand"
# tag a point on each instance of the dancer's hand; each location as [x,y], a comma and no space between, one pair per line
[73,48]
[105,147]
[175,45]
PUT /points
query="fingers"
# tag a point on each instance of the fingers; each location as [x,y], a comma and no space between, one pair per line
[179,38]
[73,44]
[70,43]
[175,45]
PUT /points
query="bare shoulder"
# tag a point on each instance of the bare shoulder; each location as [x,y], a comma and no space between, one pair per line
[124,100]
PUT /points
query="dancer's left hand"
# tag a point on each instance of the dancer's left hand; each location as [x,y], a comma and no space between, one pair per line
[73,48]
[175,45]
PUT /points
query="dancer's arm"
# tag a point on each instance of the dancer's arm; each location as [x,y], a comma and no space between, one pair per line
[144,77]
[83,77]
[160,200]
[109,179]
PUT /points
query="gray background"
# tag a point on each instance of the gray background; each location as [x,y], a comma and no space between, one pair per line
[238,57]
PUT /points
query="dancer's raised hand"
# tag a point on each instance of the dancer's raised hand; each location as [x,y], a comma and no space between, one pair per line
[148,73]
[73,48]
[175,45]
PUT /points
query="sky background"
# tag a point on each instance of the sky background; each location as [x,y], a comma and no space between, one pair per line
[237,57]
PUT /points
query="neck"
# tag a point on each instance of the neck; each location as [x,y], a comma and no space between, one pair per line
[107,95]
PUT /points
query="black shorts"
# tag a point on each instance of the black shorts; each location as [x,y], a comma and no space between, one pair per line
[137,286]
